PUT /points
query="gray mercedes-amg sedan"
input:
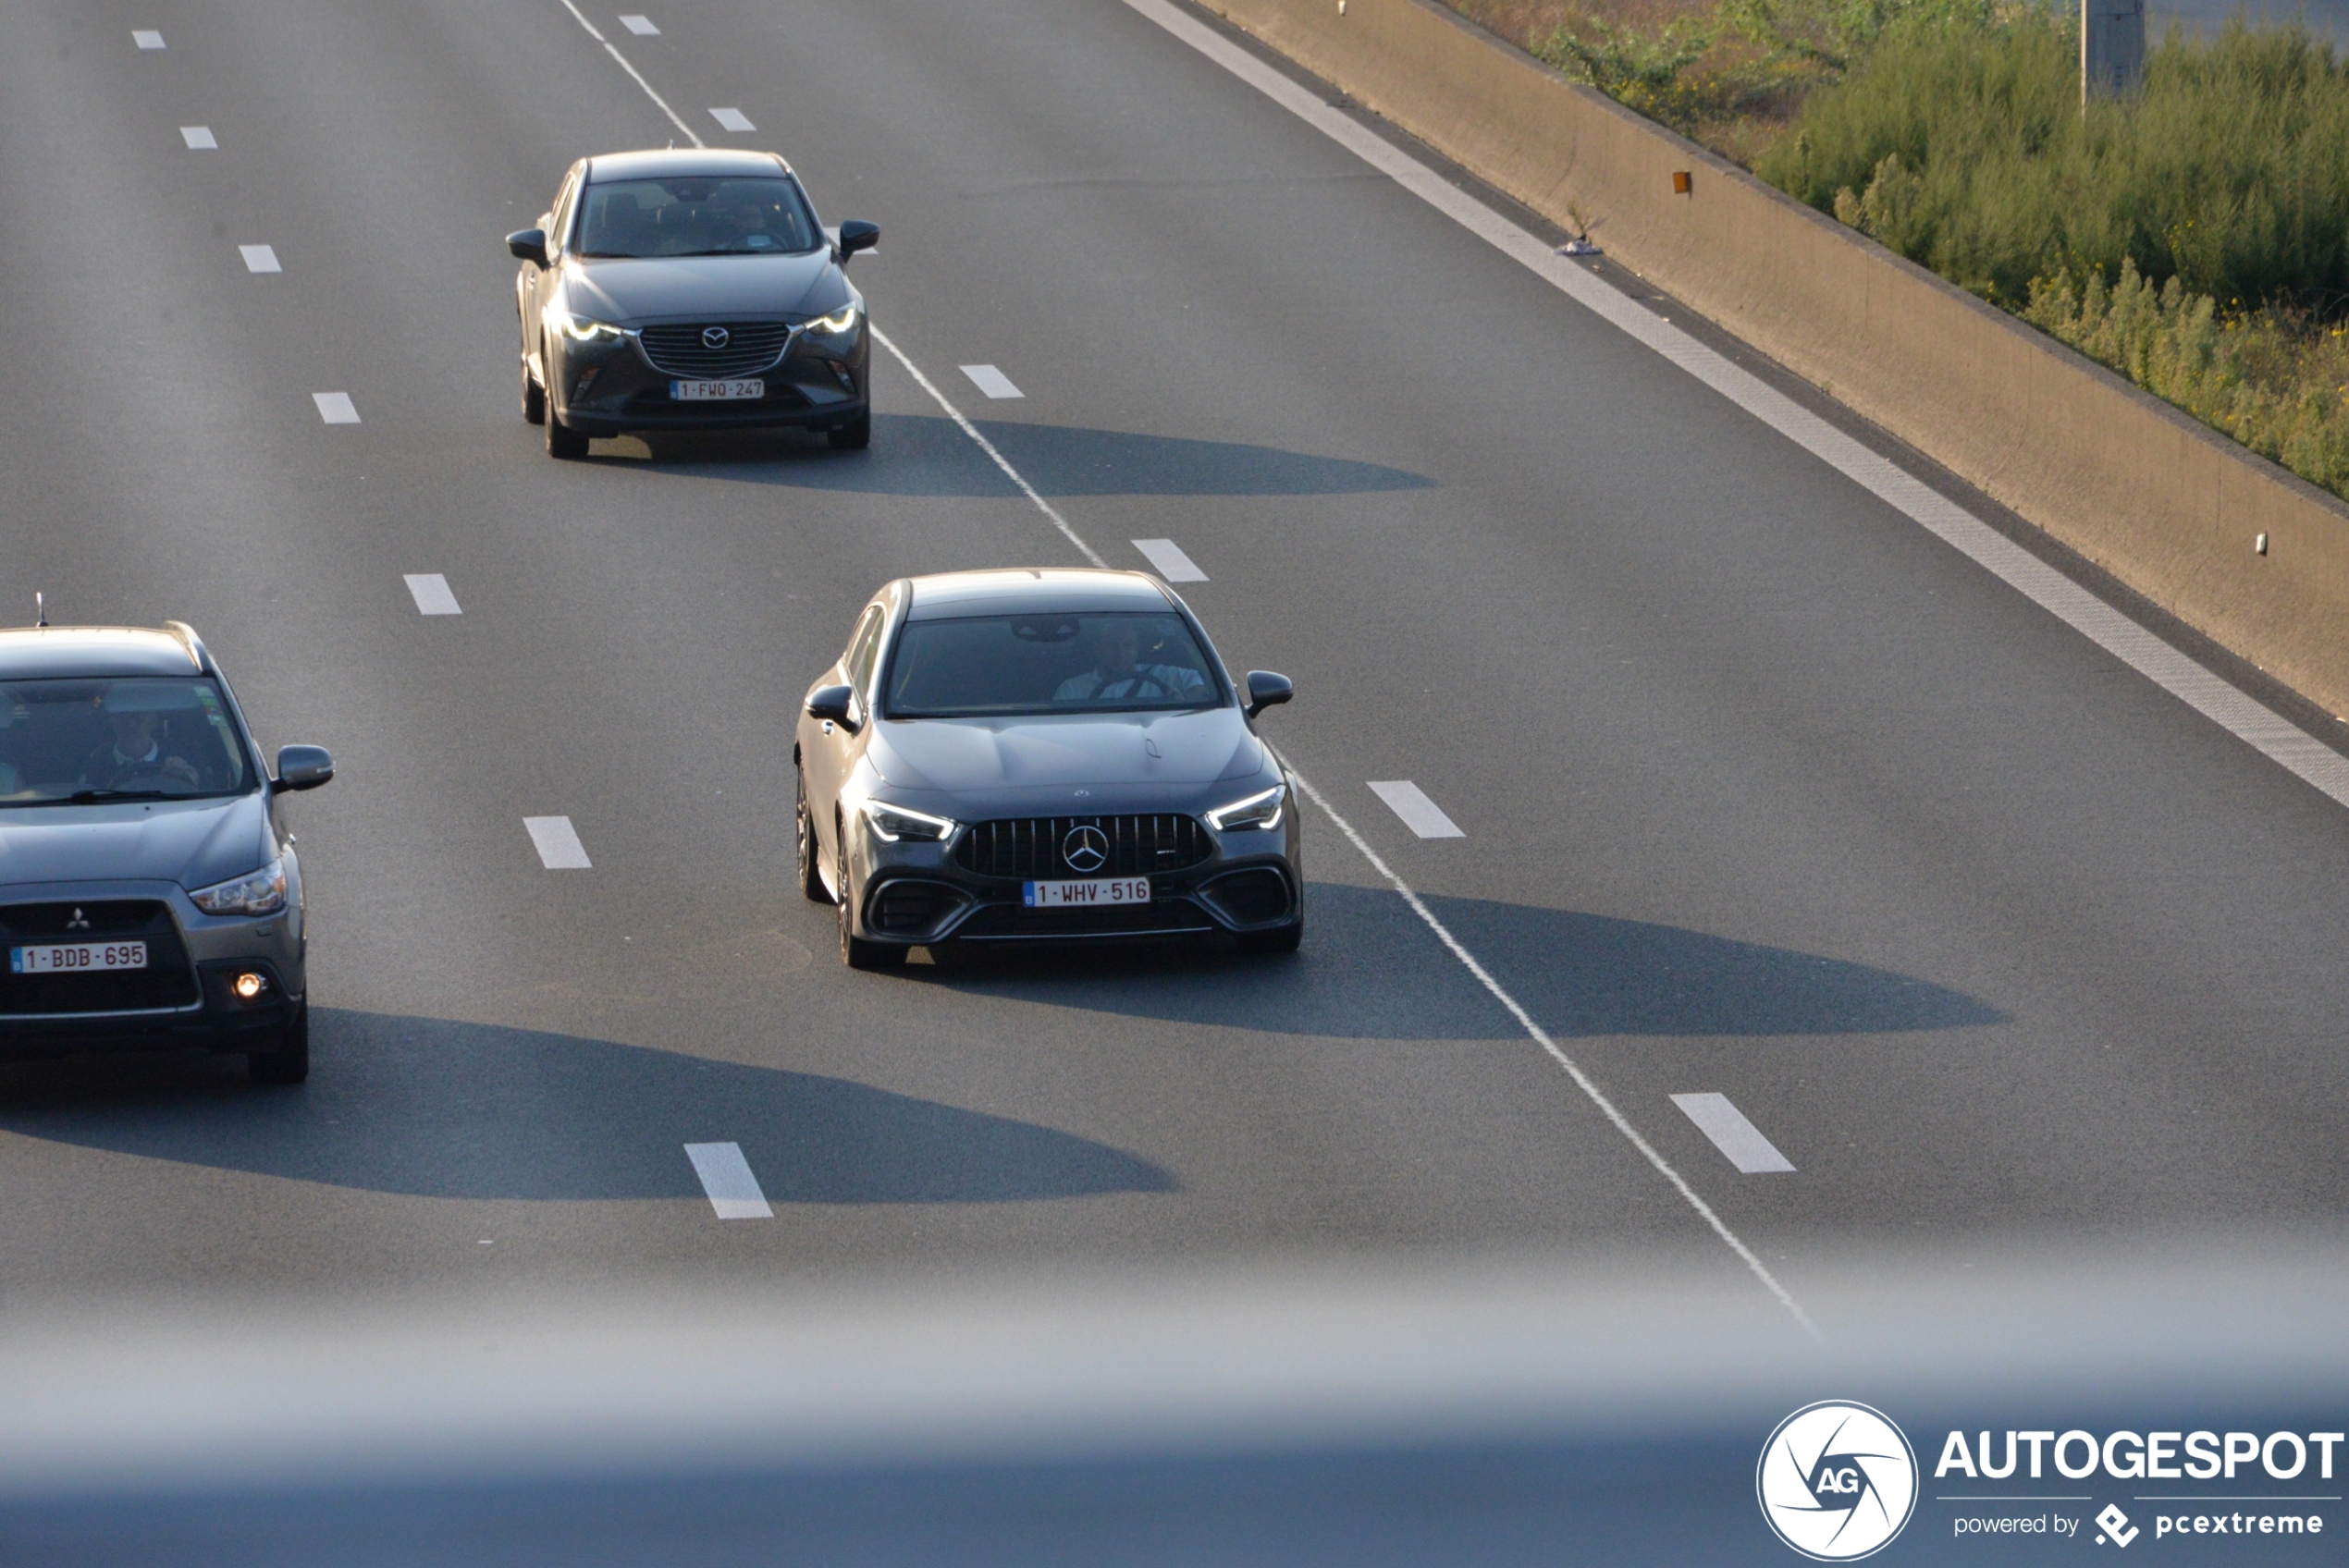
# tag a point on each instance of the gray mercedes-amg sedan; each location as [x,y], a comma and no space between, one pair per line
[1009,757]
[148,892]
[688,288]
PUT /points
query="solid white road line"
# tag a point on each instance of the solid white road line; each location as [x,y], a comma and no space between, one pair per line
[1173,565]
[732,119]
[145,39]
[432,594]
[1539,1036]
[986,445]
[2267,732]
[641,25]
[558,843]
[1733,1135]
[1419,814]
[335,408]
[726,1177]
[992,382]
[259,258]
[198,136]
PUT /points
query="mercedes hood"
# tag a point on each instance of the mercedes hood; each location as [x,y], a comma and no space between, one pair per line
[1196,747]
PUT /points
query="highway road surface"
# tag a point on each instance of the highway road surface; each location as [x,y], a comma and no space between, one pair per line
[1707,861]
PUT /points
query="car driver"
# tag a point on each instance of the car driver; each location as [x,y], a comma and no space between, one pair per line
[135,753]
[1117,674]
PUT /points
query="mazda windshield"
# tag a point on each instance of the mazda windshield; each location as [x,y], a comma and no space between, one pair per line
[1015,665]
[697,216]
[75,742]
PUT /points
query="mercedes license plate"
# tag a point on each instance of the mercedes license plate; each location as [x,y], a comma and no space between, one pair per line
[1096,890]
[72,958]
[715,391]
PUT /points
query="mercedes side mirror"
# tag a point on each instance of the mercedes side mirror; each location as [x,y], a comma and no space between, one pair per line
[304,767]
[1266,690]
[529,245]
[830,704]
[857,235]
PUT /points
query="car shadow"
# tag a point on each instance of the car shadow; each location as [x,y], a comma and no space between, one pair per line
[427,1108]
[1364,973]
[922,455]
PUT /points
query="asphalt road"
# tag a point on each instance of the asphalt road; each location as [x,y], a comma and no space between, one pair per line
[1764,791]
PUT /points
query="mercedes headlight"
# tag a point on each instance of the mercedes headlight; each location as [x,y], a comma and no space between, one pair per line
[260,892]
[1256,810]
[585,329]
[893,823]
[839,324]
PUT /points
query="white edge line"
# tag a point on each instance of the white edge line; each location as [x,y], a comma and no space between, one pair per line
[1539,1036]
[984,444]
[674,118]
[2248,719]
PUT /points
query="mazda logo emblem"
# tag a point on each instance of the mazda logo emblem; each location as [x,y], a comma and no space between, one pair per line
[1085,849]
[714,337]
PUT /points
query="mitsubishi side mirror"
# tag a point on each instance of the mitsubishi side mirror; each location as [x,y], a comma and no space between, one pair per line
[1267,690]
[304,767]
[831,704]
[529,245]
[857,235]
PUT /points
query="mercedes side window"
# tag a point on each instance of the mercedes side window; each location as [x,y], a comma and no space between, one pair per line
[864,655]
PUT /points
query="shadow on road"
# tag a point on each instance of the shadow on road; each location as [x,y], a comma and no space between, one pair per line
[1366,973]
[919,455]
[430,1108]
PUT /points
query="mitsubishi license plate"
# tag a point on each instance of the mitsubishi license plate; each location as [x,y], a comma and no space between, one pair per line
[74,958]
[1094,890]
[715,391]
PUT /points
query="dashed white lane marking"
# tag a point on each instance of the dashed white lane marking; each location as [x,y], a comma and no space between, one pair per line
[259,258]
[641,25]
[1173,565]
[1733,1135]
[1539,1036]
[2270,734]
[558,843]
[1419,814]
[732,119]
[145,37]
[726,1177]
[199,137]
[992,382]
[432,594]
[335,408]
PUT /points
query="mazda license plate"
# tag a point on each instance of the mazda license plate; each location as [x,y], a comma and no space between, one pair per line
[1095,891]
[715,391]
[73,958]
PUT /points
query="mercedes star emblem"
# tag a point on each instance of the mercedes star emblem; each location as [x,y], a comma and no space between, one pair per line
[714,337]
[1085,848]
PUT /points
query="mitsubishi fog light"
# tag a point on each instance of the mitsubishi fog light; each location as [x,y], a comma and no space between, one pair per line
[248,986]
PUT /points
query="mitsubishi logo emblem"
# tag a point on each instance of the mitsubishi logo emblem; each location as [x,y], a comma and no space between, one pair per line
[714,337]
[80,921]
[1085,848]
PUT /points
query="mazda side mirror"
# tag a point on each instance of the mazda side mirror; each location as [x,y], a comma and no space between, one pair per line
[857,235]
[304,767]
[830,704]
[529,245]
[1265,689]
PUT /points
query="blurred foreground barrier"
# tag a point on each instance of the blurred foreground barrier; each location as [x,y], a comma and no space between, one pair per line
[2169,507]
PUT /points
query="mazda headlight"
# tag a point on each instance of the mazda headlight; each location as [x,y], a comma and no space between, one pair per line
[893,823]
[1257,810]
[261,892]
[839,324]
[585,329]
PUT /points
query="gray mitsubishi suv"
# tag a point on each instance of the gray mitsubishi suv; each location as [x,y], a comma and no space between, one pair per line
[149,893]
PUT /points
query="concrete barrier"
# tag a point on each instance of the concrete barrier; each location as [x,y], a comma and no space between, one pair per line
[2166,505]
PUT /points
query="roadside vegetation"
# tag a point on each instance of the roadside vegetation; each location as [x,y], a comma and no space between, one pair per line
[2193,237]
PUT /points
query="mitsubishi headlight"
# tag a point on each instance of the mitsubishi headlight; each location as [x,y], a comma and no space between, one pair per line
[583,329]
[839,324]
[260,892]
[1257,810]
[894,823]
